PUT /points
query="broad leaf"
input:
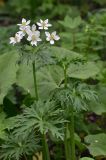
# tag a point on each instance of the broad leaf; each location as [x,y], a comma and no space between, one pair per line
[48,79]
[8,69]
[83,71]
[86,158]
[96,144]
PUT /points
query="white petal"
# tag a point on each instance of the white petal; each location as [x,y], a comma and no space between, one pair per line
[39,39]
[39,24]
[41,20]
[34,43]
[46,21]
[47,34]
[46,28]
[54,33]
[19,24]
[23,20]
[29,38]
[48,25]
[48,38]
[28,22]
[51,41]
[33,27]
[40,27]
[56,38]
[29,32]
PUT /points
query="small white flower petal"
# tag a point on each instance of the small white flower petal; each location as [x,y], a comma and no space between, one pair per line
[40,27]
[39,24]
[29,38]
[39,39]
[51,41]
[46,21]
[56,38]
[48,38]
[46,28]
[47,34]
[34,43]
[48,25]
[54,33]
[41,21]
[23,20]
[33,27]
[28,22]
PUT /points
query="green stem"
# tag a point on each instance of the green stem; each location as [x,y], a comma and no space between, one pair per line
[73,39]
[67,144]
[46,155]
[65,77]
[35,81]
[66,140]
[73,157]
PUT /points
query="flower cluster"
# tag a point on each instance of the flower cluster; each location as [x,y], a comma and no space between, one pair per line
[32,33]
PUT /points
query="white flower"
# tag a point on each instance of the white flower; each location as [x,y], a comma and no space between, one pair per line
[24,23]
[16,39]
[24,30]
[43,24]
[31,29]
[33,36]
[52,37]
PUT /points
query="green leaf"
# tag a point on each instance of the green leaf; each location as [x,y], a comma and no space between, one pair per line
[5,123]
[48,79]
[96,144]
[71,23]
[86,158]
[61,53]
[83,71]
[99,107]
[8,70]
[41,116]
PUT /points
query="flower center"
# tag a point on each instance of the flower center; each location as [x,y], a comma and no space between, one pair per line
[33,37]
[52,37]
[43,24]
[24,23]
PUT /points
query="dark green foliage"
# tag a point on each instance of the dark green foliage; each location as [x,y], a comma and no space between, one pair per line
[77,96]
[15,147]
[43,117]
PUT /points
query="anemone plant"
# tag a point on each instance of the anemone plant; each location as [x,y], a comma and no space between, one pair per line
[31,35]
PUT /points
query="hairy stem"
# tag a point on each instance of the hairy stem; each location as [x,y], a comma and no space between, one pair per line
[73,157]
[66,140]
[35,81]
[67,144]
[65,77]
[46,155]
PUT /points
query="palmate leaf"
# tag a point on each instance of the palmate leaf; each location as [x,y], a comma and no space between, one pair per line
[5,123]
[76,96]
[71,23]
[14,147]
[83,71]
[99,108]
[41,116]
[8,69]
[86,158]
[96,144]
